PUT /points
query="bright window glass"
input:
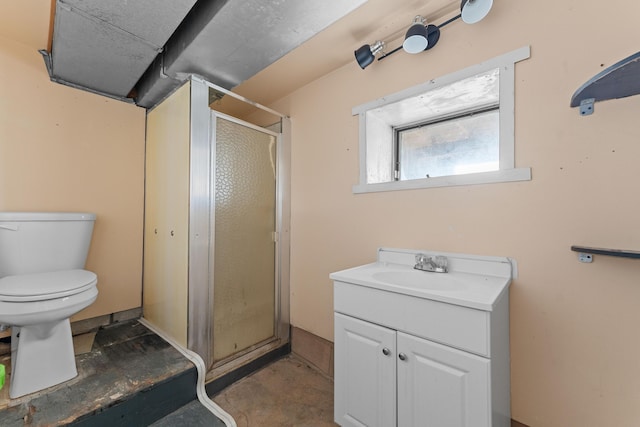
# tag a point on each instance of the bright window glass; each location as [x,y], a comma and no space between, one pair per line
[462,145]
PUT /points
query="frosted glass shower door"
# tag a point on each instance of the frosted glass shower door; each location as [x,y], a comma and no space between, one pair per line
[244,268]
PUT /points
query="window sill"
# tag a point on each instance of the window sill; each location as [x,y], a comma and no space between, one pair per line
[506,175]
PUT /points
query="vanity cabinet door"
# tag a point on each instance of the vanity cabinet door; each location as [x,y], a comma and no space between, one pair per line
[365,373]
[441,386]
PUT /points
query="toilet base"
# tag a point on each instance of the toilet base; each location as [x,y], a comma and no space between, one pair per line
[41,356]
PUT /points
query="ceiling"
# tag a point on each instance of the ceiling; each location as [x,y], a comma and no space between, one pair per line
[106,46]
[264,50]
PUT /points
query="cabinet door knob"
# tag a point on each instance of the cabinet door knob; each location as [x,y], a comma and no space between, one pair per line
[402,356]
[386,351]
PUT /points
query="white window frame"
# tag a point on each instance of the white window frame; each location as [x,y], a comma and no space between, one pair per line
[507,172]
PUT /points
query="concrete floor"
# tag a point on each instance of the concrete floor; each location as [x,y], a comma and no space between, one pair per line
[118,367]
[286,393]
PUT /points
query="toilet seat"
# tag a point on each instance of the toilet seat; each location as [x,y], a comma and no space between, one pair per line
[45,286]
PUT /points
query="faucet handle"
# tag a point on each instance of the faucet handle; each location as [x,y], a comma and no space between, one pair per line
[442,262]
[421,259]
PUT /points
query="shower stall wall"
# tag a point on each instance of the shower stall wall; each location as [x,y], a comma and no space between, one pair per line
[216,240]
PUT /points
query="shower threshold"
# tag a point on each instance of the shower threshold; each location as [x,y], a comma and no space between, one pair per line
[223,375]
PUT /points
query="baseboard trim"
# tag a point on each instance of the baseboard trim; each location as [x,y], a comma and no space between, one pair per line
[316,351]
[94,323]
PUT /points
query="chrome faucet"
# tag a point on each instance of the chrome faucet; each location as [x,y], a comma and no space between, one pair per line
[438,264]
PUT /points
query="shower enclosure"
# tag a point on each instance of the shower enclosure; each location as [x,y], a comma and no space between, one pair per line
[216,250]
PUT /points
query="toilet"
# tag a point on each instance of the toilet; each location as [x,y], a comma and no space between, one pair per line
[42,284]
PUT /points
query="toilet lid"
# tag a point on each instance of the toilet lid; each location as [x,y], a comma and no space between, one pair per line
[44,286]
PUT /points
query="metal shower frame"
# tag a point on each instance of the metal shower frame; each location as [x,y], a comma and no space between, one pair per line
[201,217]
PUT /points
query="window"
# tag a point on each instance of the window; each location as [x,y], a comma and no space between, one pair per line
[454,130]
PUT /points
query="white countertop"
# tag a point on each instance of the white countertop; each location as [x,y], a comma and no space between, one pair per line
[460,286]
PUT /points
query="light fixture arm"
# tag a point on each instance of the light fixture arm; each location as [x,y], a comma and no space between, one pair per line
[449,21]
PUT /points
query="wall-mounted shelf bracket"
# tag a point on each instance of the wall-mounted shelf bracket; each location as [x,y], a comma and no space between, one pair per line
[608,252]
[586,106]
[620,80]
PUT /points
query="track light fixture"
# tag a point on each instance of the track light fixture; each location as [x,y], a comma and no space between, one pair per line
[473,11]
[366,53]
[420,36]
[416,38]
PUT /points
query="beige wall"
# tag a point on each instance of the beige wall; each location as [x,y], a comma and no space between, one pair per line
[166,250]
[574,327]
[62,149]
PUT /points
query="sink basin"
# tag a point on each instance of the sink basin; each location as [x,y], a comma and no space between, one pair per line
[472,281]
[420,280]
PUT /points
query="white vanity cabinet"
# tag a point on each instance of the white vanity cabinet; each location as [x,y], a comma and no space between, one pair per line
[365,373]
[445,386]
[421,353]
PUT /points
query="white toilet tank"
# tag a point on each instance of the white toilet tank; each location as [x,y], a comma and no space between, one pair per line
[38,242]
